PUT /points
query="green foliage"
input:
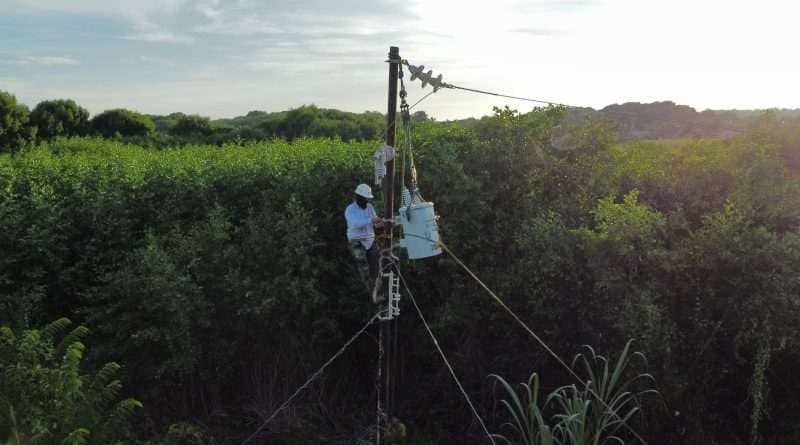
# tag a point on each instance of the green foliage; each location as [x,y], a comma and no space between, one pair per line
[608,399]
[528,422]
[186,434]
[165,123]
[15,130]
[219,272]
[759,389]
[45,399]
[600,410]
[171,281]
[61,117]
[305,121]
[624,253]
[693,177]
[667,120]
[191,125]
[122,122]
[179,129]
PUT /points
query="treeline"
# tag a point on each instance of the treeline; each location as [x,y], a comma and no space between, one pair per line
[50,119]
[666,120]
[21,127]
[219,280]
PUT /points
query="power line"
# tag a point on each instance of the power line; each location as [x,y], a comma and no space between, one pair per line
[437,83]
[444,358]
[541,101]
[537,338]
[423,98]
[609,114]
[390,126]
[473,90]
[312,378]
[530,331]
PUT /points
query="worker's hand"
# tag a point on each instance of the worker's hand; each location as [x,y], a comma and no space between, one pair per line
[377,221]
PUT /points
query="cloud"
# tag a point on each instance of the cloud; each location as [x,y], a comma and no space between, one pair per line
[549,6]
[126,8]
[538,32]
[44,60]
[160,37]
[145,16]
[301,20]
[293,36]
[160,61]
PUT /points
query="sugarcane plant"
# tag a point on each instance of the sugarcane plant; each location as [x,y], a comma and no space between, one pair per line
[601,409]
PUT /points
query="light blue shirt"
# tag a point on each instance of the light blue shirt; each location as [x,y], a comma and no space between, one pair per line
[359,224]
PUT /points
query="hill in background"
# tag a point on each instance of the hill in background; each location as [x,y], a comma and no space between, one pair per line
[667,120]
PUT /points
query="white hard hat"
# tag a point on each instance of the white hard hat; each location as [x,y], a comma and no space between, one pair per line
[364,190]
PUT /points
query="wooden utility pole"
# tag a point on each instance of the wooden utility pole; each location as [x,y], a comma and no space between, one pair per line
[389,329]
[391,117]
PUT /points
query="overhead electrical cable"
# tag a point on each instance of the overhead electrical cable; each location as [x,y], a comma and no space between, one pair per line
[417,72]
[536,337]
[473,90]
[446,361]
[312,378]
[530,99]
[531,333]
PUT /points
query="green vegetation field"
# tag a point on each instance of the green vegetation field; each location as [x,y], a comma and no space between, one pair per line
[218,278]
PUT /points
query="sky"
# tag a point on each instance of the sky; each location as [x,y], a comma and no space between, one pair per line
[223,58]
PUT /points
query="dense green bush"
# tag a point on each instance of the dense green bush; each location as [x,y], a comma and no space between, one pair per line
[221,277]
[46,399]
[15,128]
[121,122]
[191,125]
[61,117]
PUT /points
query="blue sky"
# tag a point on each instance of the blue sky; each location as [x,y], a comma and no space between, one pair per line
[223,58]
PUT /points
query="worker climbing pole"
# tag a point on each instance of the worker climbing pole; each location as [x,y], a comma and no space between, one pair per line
[416,218]
[419,237]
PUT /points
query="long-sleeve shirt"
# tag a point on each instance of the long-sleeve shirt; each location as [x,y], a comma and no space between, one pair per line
[359,224]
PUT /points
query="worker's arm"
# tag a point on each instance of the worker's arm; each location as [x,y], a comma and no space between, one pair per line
[357,221]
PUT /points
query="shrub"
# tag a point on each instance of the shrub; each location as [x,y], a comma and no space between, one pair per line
[44,397]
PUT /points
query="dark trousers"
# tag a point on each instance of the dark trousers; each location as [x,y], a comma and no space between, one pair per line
[366,262]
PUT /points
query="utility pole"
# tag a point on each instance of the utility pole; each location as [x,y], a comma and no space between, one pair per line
[391,118]
[389,329]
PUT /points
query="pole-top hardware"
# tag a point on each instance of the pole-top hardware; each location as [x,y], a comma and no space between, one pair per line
[417,72]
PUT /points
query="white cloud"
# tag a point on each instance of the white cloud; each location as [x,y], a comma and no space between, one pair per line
[156,61]
[160,36]
[144,15]
[44,60]
[126,8]
[282,53]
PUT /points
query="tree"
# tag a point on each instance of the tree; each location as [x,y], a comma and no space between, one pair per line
[297,121]
[62,117]
[165,123]
[15,131]
[419,117]
[123,122]
[191,125]
[44,398]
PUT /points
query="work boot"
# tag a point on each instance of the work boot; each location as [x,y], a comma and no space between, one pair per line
[377,292]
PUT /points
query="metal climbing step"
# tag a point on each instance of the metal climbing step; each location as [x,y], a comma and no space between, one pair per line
[393,298]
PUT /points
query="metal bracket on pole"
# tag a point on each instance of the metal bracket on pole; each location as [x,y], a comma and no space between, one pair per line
[392,298]
[389,286]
